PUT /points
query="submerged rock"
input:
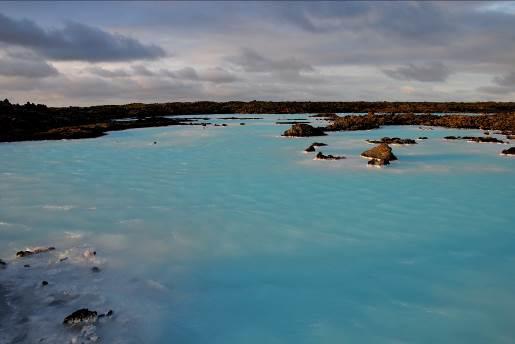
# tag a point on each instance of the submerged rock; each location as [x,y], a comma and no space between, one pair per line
[303,130]
[321,156]
[312,147]
[81,316]
[44,283]
[3,264]
[380,152]
[36,250]
[509,151]
[422,137]
[378,162]
[394,140]
[95,269]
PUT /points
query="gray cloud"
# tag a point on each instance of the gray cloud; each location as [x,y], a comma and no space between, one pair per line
[75,42]
[503,84]
[432,72]
[507,80]
[251,61]
[216,75]
[26,66]
[107,73]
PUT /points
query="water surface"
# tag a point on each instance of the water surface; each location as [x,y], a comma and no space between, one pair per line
[235,235]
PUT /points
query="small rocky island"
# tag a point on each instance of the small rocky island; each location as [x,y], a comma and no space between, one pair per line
[379,155]
[303,130]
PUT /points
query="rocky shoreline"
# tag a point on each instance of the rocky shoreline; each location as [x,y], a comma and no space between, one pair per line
[38,122]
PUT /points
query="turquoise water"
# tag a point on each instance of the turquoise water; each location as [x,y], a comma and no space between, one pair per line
[235,235]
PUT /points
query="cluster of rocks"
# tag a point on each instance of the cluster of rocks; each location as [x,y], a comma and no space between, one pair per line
[84,316]
[479,139]
[322,156]
[303,130]
[394,140]
[81,317]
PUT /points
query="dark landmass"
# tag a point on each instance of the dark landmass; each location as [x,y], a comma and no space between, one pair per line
[509,151]
[394,140]
[500,121]
[303,130]
[322,156]
[39,122]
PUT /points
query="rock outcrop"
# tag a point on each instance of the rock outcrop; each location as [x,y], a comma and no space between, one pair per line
[509,151]
[394,140]
[303,130]
[479,139]
[30,252]
[312,147]
[321,156]
[380,152]
[80,317]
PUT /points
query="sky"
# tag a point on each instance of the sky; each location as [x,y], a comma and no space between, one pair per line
[88,53]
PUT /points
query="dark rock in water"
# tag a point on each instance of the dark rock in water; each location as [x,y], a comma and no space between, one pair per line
[108,314]
[422,138]
[311,148]
[44,283]
[26,266]
[381,152]
[63,259]
[155,142]
[303,130]
[394,140]
[242,123]
[486,133]
[510,137]
[224,125]
[378,162]
[480,139]
[26,253]
[95,269]
[321,156]
[3,264]
[509,151]
[81,316]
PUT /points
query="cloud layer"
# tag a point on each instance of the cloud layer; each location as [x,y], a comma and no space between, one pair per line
[75,41]
[84,53]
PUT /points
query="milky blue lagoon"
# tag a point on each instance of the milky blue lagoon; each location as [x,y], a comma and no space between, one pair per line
[235,235]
